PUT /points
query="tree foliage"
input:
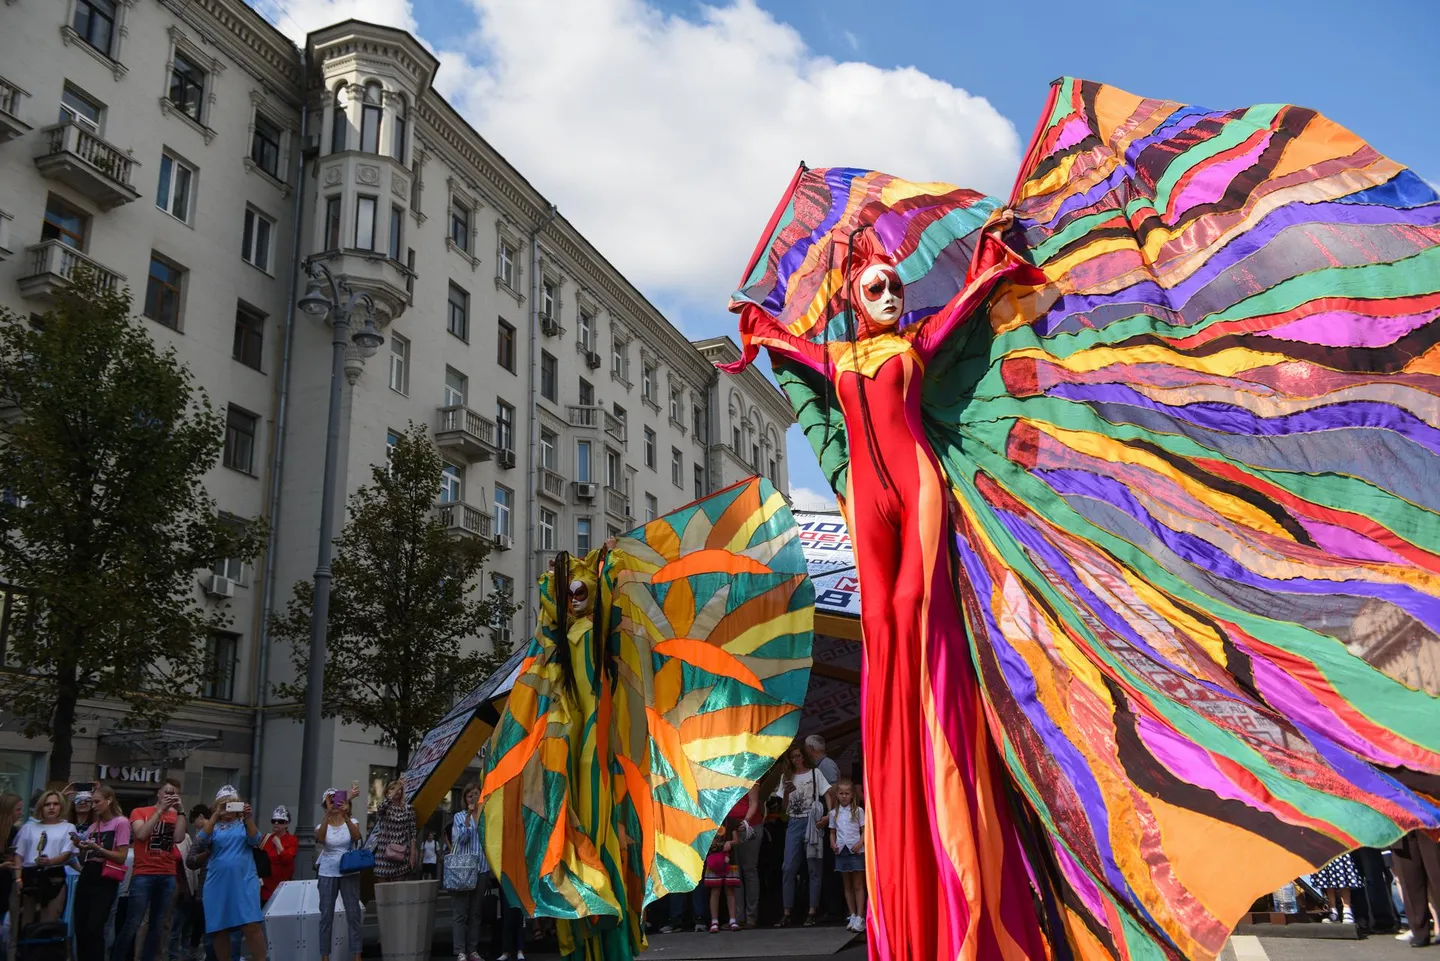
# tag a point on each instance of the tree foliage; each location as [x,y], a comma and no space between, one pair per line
[105,521]
[404,599]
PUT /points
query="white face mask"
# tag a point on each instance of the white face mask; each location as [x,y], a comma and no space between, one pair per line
[579,597]
[882,295]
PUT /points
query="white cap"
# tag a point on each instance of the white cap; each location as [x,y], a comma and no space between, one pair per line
[228,791]
[281,813]
[84,797]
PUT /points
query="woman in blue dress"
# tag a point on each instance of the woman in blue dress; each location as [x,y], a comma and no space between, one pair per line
[232,888]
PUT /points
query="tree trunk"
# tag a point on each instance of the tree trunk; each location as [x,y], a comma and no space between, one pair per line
[402,752]
[62,747]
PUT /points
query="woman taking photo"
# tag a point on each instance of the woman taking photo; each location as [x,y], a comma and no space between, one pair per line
[802,789]
[337,834]
[44,845]
[465,905]
[396,848]
[232,888]
[104,844]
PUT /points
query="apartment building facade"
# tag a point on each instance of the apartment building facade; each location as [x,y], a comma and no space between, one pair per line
[189,151]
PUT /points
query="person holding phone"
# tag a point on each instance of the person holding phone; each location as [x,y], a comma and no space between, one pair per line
[337,834]
[154,831]
[232,888]
[397,850]
[103,843]
[45,845]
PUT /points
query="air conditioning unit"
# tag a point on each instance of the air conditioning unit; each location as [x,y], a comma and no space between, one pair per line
[220,586]
[507,459]
[585,492]
[549,326]
[504,542]
[592,360]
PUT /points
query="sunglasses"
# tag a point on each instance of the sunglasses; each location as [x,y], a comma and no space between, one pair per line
[276,821]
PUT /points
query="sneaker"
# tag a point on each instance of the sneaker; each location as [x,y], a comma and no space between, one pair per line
[850,923]
[519,956]
[859,924]
[669,929]
[1404,936]
[1330,918]
[700,927]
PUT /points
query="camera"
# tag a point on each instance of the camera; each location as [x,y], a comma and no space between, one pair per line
[234,807]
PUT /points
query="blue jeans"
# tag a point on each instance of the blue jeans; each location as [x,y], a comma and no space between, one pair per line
[794,859]
[150,894]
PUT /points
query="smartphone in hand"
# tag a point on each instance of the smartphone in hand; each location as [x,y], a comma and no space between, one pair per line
[234,807]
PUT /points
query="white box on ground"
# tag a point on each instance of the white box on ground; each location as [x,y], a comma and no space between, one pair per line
[292,924]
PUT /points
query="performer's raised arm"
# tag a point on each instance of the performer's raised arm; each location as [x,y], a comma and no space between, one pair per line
[758,329]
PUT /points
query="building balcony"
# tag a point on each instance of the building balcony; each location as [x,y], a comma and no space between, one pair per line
[50,265]
[461,520]
[587,417]
[617,505]
[78,158]
[463,432]
[551,485]
[11,126]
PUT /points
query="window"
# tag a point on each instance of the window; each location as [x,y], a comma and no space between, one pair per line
[773,474]
[699,482]
[617,359]
[173,195]
[249,336]
[647,383]
[95,23]
[231,567]
[548,440]
[187,86]
[735,439]
[504,503]
[370,118]
[505,587]
[458,319]
[452,484]
[396,236]
[755,455]
[505,346]
[650,448]
[587,393]
[697,421]
[507,265]
[652,507]
[162,292]
[677,466]
[65,223]
[457,387]
[339,120]
[399,364]
[612,469]
[240,440]
[332,223]
[624,420]
[505,426]
[255,243]
[548,522]
[397,147]
[459,224]
[549,377]
[582,461]
[392,441]
[75,107]
[365,222]
[547,300]
[587,330]
[265,146]
[221,651]
[583,527]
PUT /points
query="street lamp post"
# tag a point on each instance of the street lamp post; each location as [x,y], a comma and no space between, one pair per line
[325,296]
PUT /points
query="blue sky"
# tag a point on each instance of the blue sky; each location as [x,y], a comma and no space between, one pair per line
[1373,67]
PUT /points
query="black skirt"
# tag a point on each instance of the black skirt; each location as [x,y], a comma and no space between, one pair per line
[43,884]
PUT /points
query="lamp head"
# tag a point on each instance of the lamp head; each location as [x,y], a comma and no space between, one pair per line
[315,302]
[368,338]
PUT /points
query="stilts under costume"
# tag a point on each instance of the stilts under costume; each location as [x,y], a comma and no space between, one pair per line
[664,678]
[1139,468]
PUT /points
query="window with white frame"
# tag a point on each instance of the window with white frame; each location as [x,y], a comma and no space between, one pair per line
[677,467]
[504,505]
[619,362]
[76,107]
[460,223]
[647,383]
[547,300]
[392,441]
[650,453]
[457,387]
[399,364]
[548,441]
[612,469]
[232,567]
[452,484]
[652,507]
[365,208]
[585,330]
[371,111]
[583,528]
[548,522]
[255,239]
[582,461]
[177,179]
[505,269]
[505,426]
[675,402]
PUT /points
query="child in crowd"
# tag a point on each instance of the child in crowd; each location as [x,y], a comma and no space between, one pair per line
[722,873]
[847,838]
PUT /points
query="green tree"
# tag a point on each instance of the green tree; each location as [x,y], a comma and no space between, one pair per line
[405,596]
[105,520]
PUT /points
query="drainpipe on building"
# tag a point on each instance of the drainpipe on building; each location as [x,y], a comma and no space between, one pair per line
[277,463]
[532,469]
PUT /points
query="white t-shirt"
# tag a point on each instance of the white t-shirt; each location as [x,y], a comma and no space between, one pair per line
[848,825]
[808,787]
[334,842]
[429,852]
[58,844]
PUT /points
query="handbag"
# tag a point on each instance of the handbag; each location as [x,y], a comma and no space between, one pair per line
[357,859]
[262,862]
[462,872]
[395,851]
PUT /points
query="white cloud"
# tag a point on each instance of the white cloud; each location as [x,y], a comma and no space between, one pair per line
[806,499]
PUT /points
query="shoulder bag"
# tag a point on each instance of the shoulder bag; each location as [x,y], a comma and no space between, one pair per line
[462,871]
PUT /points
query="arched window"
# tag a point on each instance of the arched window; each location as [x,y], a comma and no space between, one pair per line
[397,149]
[340,122]
[370,118]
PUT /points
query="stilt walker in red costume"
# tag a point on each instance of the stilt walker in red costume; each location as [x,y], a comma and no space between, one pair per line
[1130,468]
